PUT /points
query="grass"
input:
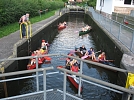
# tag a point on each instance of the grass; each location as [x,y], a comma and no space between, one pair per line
[6,30]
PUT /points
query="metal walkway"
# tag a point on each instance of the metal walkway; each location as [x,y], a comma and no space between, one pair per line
[50,95]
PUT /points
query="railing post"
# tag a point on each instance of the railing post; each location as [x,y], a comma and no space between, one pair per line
[131,95]
[105,21]
[64,87]
[37,78]
[119,32]
[79,90]
[111,23]
[132,42]
[44,82]
[99,18]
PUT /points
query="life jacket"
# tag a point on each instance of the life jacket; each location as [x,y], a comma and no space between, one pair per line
[101,57]
[75,68]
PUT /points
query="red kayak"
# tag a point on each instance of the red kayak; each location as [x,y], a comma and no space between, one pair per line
[61,27]
[33,66]
[73,80]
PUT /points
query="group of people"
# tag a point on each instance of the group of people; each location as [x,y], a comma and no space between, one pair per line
[72,64]
[40,51]
[91,54]
[87,27]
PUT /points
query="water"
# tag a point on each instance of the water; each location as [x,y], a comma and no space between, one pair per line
[65,42]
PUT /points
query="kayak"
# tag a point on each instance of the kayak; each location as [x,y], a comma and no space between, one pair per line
[61,27]
[41,61]
[84,32]
[73,79]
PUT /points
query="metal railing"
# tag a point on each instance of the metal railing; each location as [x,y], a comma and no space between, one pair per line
[89,80]
[121,32]
[28,29]
[114,88]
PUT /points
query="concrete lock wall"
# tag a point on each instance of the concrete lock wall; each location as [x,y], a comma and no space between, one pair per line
[106,43]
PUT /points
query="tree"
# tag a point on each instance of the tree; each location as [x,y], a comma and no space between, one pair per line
[65,0]
[91,3]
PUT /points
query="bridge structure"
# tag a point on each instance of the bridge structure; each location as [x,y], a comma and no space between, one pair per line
[57,94]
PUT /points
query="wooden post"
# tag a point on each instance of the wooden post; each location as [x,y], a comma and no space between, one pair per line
[4,83]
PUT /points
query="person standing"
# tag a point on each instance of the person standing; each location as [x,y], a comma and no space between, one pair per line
[24,18]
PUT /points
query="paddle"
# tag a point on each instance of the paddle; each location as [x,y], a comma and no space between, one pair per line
[60,66]
[109,60]
[73,51]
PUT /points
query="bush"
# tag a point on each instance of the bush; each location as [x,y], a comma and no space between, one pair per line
[12,10]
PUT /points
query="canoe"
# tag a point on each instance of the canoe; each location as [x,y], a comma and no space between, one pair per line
[41,61]
[88,58]
[74,81]
[84,32]
[61,27]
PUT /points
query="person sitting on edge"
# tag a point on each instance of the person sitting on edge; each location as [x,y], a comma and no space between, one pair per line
[90,53]
[44,45]
[23,19]
[83,50]
[102,58]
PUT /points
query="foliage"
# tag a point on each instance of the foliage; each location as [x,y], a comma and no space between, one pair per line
[91,3]
[65,0]
[8,29]
[12,10]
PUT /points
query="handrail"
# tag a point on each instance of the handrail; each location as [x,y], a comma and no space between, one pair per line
[27,35]
[95,14]
[110,85]
[99,64]
[87,61]
[98,81]
[25,72]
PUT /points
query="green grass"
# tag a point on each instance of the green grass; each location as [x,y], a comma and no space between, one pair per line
[6,30]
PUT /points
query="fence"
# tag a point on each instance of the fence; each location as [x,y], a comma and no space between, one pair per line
[121,32]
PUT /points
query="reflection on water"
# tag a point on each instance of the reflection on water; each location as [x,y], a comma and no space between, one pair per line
[64,42]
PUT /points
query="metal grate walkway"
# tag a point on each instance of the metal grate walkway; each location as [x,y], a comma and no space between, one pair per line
[51,95]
